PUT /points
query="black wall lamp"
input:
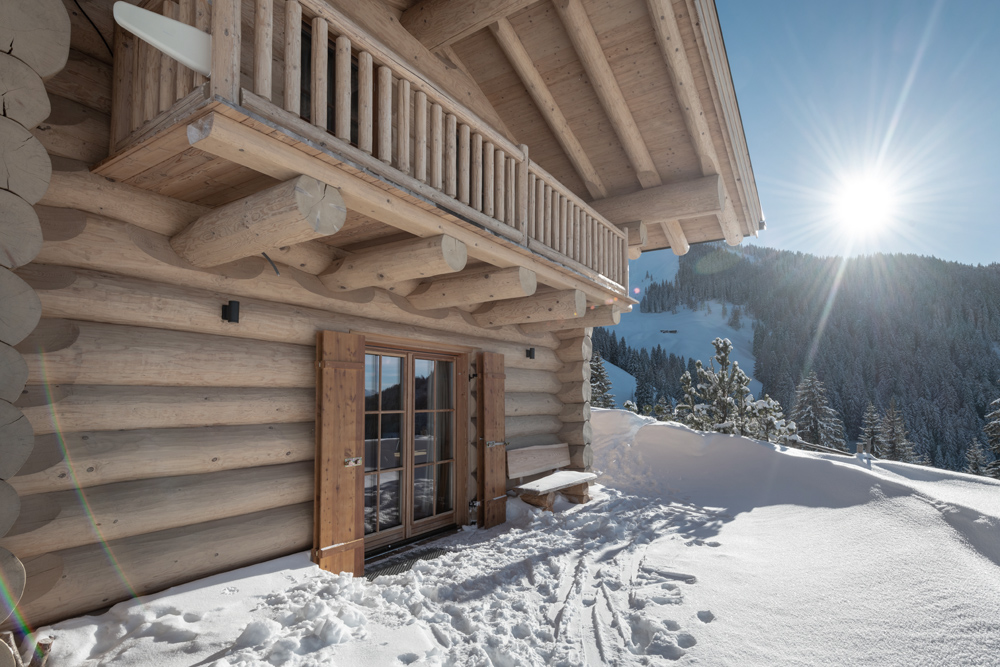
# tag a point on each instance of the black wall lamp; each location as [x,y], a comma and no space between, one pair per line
[530,353]
[231,312]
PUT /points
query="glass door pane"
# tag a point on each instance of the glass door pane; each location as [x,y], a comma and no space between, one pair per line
[434,427]
[384,441]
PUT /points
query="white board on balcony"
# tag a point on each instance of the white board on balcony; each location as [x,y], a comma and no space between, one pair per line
[184,43]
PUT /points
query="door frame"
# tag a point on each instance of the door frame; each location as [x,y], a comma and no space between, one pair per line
[377,344]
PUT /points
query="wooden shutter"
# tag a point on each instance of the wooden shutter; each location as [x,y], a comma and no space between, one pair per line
[492,468]
[339,531]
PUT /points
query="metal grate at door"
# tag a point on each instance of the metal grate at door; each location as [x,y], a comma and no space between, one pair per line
[403,563]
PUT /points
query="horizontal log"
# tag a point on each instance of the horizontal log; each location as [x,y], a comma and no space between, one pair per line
[574,371]
[385,265]
[672,201]
[75,131]
[298,210]
[516,427]
[312,257]
[20,232]
[574,392]
[22,93]
[581,457]
[675,236]
[534,440]
[10,508]
[37,33]
[21,308]
[65,408]
[41,574]
[60,224]
[578,348]
[572,412]
[638,234]
[599,316]
[94,458]
[13,374]
[558,305]
[17,439]
[577,433]
[60,520]
[25,168]
[101,196]
[90,295]
[111,354]
[108,245]
[475,286]
[516,405]
[530,380]
[154,561]
[84,80]
[12,575]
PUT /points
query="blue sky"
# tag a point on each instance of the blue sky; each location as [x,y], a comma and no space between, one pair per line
[900,96]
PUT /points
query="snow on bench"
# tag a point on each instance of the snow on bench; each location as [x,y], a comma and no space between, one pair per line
[544,458]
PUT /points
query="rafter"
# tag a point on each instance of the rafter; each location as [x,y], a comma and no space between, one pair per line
[438,23]
[546,104]
[588,48]
[673,201]
[675,234]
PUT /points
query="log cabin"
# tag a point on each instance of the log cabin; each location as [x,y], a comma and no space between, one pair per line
[306,295]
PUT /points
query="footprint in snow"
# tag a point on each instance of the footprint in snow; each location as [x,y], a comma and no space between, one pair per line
[706,616]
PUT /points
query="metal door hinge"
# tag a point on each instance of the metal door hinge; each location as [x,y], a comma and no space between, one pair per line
[352,462]
[494,443]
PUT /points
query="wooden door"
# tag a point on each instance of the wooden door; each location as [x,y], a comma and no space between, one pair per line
[338,532]
[492,468]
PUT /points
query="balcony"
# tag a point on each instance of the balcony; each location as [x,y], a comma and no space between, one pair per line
[330,101]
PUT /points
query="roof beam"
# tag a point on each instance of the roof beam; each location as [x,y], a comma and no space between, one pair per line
[386,265]
[561,305]
[637,237]
[480,286]
[437,23]
[547,106]
[668,37]
[673,201]
[596,316]
[675,234]
[588,48]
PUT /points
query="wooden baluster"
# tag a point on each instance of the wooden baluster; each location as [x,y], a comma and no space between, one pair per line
[185,14]
[530,231]
[420,140]
[488,182]
[150,91]
[539,234]
[523,193]
[437,146]
[263,37]
[451,155]
[547,239]
[366,111]
[604,250]
[226,38]
[203,22]
[293,57]
[623,278]
[320,41]
[168,66]
[464,135]
[385,114]
[563,224]
[574,235]
[554,205]
[342,89]
[588,235]
[500,173]
[512,193]
[403,126]
[135,90]
[476,177]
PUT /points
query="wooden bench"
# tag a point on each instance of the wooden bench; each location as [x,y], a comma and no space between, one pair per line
[545,458]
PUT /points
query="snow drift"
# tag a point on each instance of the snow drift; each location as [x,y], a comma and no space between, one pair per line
[700,548]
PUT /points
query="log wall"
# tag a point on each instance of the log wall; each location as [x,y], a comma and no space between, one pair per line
[145,426]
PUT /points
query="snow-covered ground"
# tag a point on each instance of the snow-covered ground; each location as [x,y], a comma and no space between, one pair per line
[695,328]
[699,548]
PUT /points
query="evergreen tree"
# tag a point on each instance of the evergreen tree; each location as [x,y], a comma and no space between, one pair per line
[735,318]
[690,409]
[771,424]
[817,422]
[664,409]
[600,384]
[992,430]
[868,440]
[631,407]
[975,459]
[721,400]
[893,441]
[644,392]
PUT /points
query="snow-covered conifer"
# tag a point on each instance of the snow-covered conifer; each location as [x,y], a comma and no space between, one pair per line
[975,458]
[631,407]
[893,441]
[817,422]
[664,409]
[600,384]
[992,430]
[868,440]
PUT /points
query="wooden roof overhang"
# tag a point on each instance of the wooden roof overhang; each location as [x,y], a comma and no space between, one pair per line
[629,102]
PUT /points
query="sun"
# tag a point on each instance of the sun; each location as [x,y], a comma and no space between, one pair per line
[864,204]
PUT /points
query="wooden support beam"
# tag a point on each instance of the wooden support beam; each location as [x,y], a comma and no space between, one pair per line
[638,236]
[391,263]
[675,234]
[547,106]
[588,48]
[673,201]
[243,145]
[479,286]
[226,38]
[298,210]
[437,23]
[557,305]
[263,37]
[599,316]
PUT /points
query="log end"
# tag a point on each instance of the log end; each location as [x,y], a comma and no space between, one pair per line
[455,253]
[22,308]
[13,575]
[321,205]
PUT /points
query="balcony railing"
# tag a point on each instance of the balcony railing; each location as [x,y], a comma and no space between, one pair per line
[341,88]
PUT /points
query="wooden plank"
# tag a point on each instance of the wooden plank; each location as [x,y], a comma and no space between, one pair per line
[123,101]
[226,27]
[293,56]
[168,66]
[185,14]
[339,490]
[525,461]
[437,23]
[491,470]
[318,94]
